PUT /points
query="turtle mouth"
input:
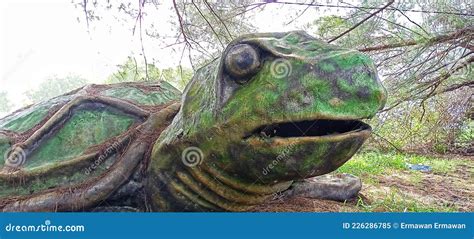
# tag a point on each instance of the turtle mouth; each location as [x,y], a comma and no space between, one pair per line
[310,128]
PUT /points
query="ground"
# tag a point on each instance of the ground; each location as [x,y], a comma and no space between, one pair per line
[389,186]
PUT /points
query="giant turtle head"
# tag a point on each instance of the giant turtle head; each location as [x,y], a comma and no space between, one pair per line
[274,108]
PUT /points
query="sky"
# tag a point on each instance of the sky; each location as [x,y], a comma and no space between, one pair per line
[41,39]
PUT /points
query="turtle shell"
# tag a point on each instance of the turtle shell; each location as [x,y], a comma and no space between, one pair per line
[75,140]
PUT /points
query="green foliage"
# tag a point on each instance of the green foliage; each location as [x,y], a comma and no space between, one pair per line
[411,72]
[372,163]
[208,27]
[430,118]
[465,138]
[5,105]
[178,77]
[330,26]
[434,127]
[55,86]
[447,22]
[130,71]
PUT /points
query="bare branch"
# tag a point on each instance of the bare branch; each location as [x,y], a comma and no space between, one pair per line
[457,86]
[141,4]
[253,6]
[467,31]
[361,7]
[418,25]
[208,23]
[86,13]
[218,17]
[301,13]
[434,84]
[181,27]
[363,20]
[387,20]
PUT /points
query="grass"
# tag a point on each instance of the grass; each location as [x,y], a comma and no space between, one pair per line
[394,202]
[372,167]
[376,163]
[372,163]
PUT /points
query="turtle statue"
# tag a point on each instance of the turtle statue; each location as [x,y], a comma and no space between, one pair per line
[274,108]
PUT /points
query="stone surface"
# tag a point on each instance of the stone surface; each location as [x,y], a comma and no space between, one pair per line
[339,187]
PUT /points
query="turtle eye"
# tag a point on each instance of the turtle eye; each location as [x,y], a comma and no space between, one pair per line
[241,61]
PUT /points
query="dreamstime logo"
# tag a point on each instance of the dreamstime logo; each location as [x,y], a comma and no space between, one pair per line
[47,226]
[192,156]
[281,68]
[15,157]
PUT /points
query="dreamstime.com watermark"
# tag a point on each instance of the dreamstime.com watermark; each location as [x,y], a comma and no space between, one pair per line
[45,227]
[283,154]
[102,157]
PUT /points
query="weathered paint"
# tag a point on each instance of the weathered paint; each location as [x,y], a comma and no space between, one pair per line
[326,82]
[218,114]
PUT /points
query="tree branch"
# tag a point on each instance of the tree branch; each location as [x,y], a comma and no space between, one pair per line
[85,13]
[218,17]
[359,23]
[208,23]
[457,86]
[467,31]
[361,7]
[181,27]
